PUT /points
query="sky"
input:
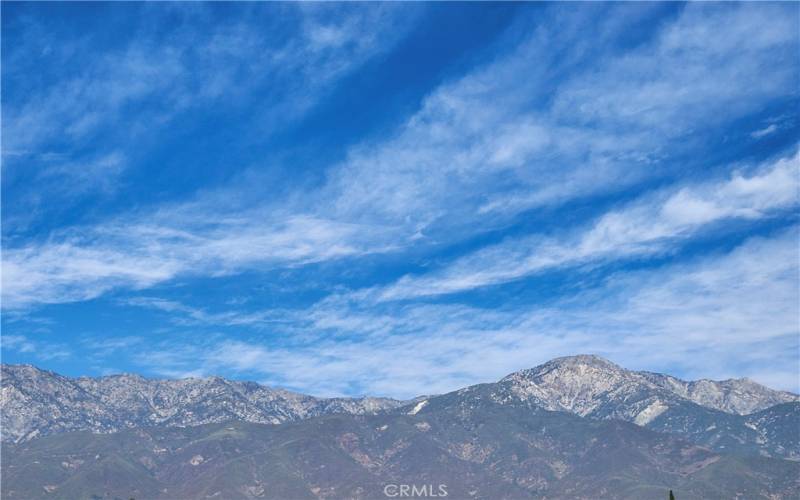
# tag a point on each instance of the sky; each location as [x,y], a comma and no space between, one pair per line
[400,199]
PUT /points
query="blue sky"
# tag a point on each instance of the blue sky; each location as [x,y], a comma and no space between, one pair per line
[400,199]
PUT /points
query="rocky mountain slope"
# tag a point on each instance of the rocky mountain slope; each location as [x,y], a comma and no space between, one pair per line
[737,416]
[708,413]
[36,402]
[590,385]
[465,442]
[741,396]
[576,427]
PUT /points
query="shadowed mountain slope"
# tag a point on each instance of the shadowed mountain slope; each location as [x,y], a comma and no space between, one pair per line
[713,414]
[476,447]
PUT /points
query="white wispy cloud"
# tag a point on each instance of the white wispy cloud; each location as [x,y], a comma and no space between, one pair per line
[691,75]
[39,349]
[79,133]
[181,314]
[481,149]
[735,310]
[142,252]
[103,347]
[582,121]
[739,310]
[201,60]
[762,132]
[652,224]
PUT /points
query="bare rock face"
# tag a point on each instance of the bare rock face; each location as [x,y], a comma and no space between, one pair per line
[574,427]
[36,402]
[718,414]
[585,385]
[464,444]
[741,396]
[738,416]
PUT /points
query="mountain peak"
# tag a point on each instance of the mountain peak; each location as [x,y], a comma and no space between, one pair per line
[571,383]
[121,376]
[587,364]
[37,402]
[23,367]
[26,371]
[583,359]
[589,384]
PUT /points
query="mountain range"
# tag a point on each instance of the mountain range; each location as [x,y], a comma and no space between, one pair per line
[37,402]
[575,427]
